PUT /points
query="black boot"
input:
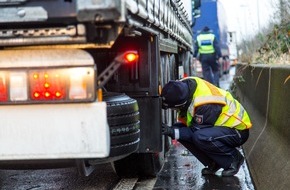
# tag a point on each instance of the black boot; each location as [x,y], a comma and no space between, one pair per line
[235,166]
[211,169]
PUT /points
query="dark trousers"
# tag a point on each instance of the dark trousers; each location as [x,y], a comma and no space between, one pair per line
[213,144]
[210,68]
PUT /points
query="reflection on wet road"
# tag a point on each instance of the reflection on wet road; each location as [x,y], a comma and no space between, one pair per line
[226,79]
[183,171]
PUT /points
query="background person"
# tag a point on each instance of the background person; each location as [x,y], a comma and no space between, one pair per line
[207,51]
[211,123]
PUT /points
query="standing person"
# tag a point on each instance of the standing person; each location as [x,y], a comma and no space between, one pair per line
[207,50]
[211,123]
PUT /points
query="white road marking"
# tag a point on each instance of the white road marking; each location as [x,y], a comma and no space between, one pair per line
[126,184]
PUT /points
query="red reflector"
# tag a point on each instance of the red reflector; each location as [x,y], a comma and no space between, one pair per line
[3,89]
[131,57]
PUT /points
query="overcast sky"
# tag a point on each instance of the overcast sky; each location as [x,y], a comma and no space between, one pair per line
[246,17]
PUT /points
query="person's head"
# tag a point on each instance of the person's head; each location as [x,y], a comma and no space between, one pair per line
[175,95]
[206,29]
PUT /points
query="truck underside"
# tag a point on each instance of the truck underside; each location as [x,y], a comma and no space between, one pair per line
[158,31]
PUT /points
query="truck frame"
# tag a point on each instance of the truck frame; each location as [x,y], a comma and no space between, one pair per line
[80,81]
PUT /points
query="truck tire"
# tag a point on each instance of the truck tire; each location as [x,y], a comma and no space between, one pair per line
[124,124]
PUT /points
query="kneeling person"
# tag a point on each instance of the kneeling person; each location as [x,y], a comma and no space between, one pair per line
[211,123]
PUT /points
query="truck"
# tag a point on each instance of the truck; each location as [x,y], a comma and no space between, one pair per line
[213,15]
[80,81]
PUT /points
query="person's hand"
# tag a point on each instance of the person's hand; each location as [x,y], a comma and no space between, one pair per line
[167,130]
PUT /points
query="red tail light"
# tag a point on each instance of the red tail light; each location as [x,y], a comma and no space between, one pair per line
[47,85]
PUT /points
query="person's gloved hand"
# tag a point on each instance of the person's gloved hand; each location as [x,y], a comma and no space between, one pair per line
[167,130]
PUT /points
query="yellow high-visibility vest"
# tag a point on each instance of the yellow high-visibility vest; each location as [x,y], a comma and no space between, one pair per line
[233,114]
[205,43]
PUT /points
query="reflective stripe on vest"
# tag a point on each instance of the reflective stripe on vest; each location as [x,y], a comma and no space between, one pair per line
[233,113]
[205,43]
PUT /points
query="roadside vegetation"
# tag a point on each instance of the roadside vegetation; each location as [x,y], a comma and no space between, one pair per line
[272,45]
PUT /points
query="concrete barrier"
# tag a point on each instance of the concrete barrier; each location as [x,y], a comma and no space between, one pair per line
[264,90]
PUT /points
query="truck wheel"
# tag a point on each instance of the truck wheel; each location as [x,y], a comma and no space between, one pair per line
[124,123]
[123,119]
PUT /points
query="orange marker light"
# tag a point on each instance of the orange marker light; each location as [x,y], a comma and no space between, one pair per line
[131,57]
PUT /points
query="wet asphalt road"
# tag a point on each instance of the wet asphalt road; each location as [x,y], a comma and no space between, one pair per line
[103,178]
[181,171]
